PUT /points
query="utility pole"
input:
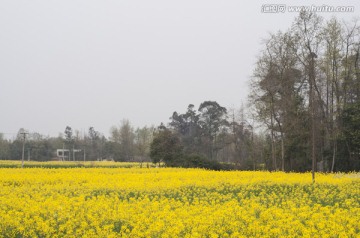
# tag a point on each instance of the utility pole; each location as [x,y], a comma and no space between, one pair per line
[312,104]
[23,149]
[84,154]
[63,152]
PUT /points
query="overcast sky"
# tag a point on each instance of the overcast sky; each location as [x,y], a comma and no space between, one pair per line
[93,63]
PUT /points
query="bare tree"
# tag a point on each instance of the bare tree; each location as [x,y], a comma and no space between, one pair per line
[307,29]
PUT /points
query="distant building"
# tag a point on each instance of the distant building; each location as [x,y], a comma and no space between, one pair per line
[63,154]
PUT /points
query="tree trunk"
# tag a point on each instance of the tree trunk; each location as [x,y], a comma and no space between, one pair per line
[273,154]
[334,155]
[282,153]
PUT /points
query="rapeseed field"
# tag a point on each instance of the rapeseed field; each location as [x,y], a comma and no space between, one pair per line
[170,202]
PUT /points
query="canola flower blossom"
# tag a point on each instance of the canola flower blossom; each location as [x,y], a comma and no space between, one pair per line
[171,202]
[72,164]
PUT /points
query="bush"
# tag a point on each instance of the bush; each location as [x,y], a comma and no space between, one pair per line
[198,161]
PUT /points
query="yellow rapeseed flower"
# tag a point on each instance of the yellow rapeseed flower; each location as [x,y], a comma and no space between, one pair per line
[171,202]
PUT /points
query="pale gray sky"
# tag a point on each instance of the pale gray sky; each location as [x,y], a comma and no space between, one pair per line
[89,63]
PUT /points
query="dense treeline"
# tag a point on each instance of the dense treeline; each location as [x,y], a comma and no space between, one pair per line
[124,144]
[306,91]
[304,107]
[208,137]
[200,138]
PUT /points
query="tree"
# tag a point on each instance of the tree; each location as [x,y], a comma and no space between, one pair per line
[4,148]
[188,127]
[307,28]
[276,94]
[124,141]
[143,139]
[127,140]
[212,120]
[239,138]
[351,133]
[303,80]
[331,66]
[94,137]
[69,140]
[166,147]
[39,148]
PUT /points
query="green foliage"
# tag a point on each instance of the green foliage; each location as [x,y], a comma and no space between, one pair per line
[4,148]
[351,124]
[349,143]
[113,150]
[40,150]
[198,161]
[124,137]
[166,147]
[15,150]
[203,131]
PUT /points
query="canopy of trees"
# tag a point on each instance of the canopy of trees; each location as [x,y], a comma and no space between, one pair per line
[205,138]
[305,91]
[304,109]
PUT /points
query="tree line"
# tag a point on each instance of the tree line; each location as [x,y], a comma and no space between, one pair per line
[306,93]
[124,144]
[208,137]
[303,114]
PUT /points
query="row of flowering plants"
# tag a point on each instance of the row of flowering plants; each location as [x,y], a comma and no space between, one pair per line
[171,202]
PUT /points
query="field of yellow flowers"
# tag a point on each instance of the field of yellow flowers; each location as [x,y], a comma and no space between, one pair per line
[169,202]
